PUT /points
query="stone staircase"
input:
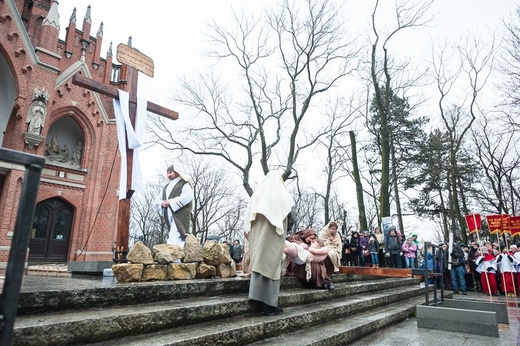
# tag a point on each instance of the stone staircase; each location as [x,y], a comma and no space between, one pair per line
[214,312]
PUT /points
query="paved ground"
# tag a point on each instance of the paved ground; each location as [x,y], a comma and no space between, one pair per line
[408,334]
[403,334]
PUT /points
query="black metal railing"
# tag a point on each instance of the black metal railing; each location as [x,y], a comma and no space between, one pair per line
[21,236]
[434,273]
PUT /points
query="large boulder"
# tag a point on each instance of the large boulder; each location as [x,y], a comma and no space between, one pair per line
[205,271]
[128,272]
[225,256]
[192,250]
[154,272]
[139,253]
[225,270]
[212,252]
[167,253]
[182,271]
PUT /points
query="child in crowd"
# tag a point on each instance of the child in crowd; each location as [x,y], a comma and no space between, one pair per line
[366,255]
[373,249]
[409,249]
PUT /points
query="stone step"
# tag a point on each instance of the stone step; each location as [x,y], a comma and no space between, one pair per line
[346,330]
[250,328]
[80,326]
[96,293]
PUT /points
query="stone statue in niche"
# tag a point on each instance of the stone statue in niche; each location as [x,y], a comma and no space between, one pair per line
[53,148]
[37,112]
[36,117]
[76,154]
[57,153]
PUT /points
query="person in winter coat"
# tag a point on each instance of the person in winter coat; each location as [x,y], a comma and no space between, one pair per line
[380,240]
[373,249]
[355,248]
[392,248]
[458,269]
[363,242]
[409,249]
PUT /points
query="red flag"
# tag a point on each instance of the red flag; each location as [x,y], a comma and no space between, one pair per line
[494,223]
[514,222]
[505,224]
[473,221]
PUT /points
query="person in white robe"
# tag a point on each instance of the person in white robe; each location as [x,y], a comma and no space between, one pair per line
[175,205]
[266,225]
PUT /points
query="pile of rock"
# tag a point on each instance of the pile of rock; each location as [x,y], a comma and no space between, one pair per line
[171,262]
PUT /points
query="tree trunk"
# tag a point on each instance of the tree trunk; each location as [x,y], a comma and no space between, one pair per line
[359,187]
[396,194]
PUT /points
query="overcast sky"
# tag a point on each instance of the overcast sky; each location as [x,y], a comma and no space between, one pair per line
[172,32]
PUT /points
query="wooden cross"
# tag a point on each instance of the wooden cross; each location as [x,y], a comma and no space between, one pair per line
[133,62]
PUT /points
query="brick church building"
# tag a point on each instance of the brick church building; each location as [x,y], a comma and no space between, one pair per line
[43,113]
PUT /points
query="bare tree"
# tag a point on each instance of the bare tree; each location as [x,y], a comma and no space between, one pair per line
[497,153]
[408,15]
[307,208]
[510,67]
[231,226]
[146,224]
[298,52]
[215,197]
[475,64]
[335,166]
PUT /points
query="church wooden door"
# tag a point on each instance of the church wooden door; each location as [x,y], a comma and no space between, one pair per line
[50,233]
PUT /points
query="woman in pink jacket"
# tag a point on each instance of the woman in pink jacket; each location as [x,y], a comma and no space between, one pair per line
[409,249]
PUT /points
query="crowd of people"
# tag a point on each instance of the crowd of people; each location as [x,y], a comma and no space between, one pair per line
[380,249]
[490,268]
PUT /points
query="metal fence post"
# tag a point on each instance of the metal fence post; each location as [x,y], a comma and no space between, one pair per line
[21,237]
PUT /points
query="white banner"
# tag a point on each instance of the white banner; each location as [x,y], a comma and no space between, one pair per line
[125,131]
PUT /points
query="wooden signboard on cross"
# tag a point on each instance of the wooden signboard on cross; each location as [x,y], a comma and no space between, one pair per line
[133,62]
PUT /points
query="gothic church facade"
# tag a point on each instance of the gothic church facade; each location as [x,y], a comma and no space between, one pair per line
[42,112]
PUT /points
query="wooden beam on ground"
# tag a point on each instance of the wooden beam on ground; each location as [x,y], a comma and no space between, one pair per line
[392,272]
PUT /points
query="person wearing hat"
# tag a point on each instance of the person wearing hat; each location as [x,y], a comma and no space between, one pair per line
[175,206]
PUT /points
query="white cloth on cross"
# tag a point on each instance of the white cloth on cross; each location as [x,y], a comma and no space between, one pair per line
[125,131]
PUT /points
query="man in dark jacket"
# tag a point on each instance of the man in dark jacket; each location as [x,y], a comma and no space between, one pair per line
[392,249]
[458,269]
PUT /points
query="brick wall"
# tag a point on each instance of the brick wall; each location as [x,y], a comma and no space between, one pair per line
[92,194]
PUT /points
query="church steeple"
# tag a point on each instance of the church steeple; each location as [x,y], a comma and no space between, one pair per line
[73,16]
[100,30]
[50,29]
[87,25]
[70,35]
[97,47]
[53,17]
[108,68]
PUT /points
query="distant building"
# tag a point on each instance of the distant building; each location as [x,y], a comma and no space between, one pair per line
[43,113]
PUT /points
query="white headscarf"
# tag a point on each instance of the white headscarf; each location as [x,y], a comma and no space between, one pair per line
[272,200]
